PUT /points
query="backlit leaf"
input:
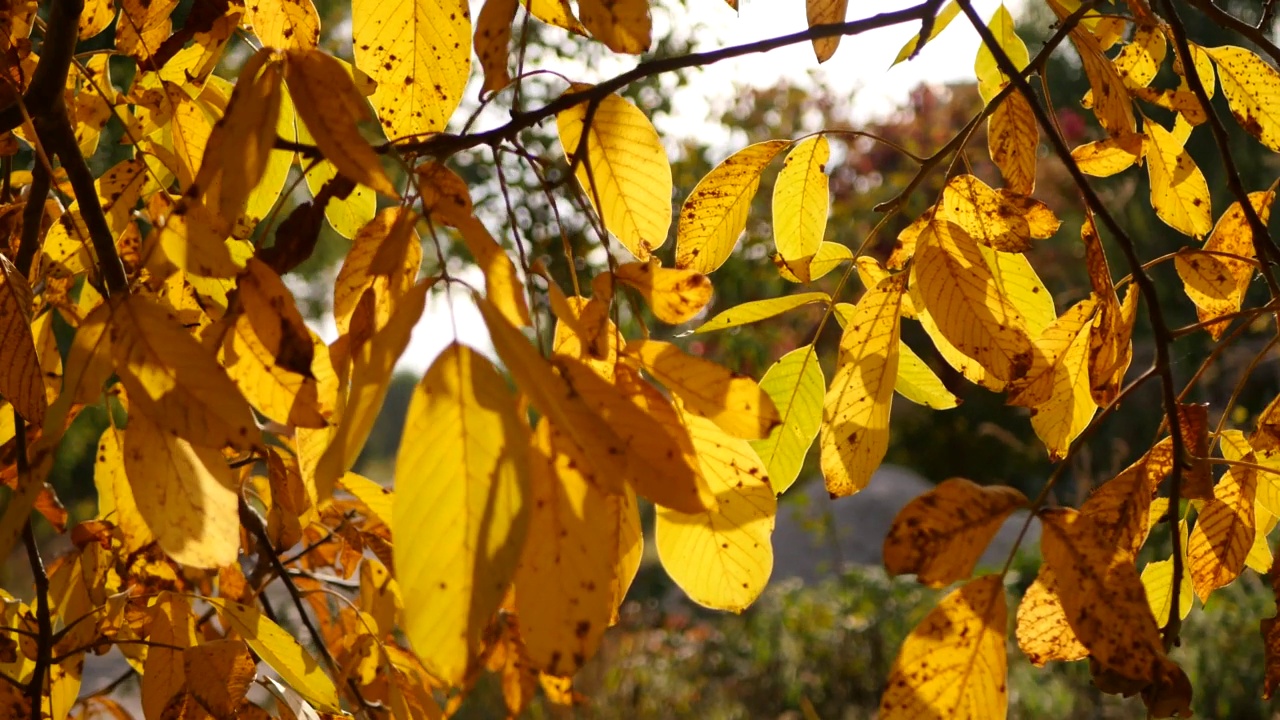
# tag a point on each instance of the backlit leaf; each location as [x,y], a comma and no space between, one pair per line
[830,256]
[953,664]
[1042,628]
[675,295]
[721,557]
[384,259]
[758,310]
[21,382]
[461,509]
[1179,192]
[801,202]
[284,24]
[796,385]
[1252,87]
[715,213]
[734,402]
[990,77]
[115,494]
[1104,158]
[622,25]
[346,215]
[1224,531]
[918,383]
[826,12]
[1013,137]
[220,673]
[1157,581]
[418,52]
[855,411]
[940,535]
[940,23]
[1111,103]
[493,38]
[629,182]
[1056,387]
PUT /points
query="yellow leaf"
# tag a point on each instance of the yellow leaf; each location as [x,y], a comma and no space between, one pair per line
[1217,284]
[371,370]
[174,381]
[855,411]
[384,259]
[266,193]
[328,102]
[219,674]
[1260,557]
[734,402]
[990,77]
[940,23]
[1102,596]
[627,545]
[1042,628]
[758,310]
[115,494]
[953,664]
[97,16]
[186,494]
[1104,158]
[378,500]
[1179,192]
[987,216]
[721,557]
[1013,137]
[493,41]
[462,481]
[918,383]
[1056,387]
[1224,531]
[284,24]
[940,535]
[1252,87]
[269,352]
[345,215]
[829,257]
[826,12]
[801,201]
[952,281]
[1120,510]
[170,627]
[277,648]
[555,12]
[622,25]
[1140,60]
[714,215]
[419,54]
[21,381]
[564,586]
[675,295]
[796,385]
[1111,103]
[625,173]
[88,366]
[501,280]
[1157,581]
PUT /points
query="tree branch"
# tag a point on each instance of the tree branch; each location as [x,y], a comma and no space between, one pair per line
[1249,32]
[49,78]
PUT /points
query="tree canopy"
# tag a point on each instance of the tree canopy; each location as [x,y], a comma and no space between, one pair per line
[169,168]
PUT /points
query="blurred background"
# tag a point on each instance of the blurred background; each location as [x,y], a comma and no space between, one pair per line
[819,643]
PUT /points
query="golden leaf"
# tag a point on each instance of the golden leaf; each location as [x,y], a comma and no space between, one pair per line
[990,77]
[564,585]
[1224,531]
[1179,192]
[1102,596]
[1013,137]
[714,215]
[952,281]
[1119,509]
[1157,582]
[345,215]
[1104,158]
[734,402]
[953,663]
[115,494]
[855,411]
[985,215]
[142,28]
[940,23]
[675,295]
[418,52]
[940,535]
[1111,103]
[830,256]
[1252,87]
[1042,628]
[758,310]
[170,627]
[1057,387]
[625,172]
[796,385]
[284,24]
[186,493]
[622,25]
[826,12]
[21,380]
[555,12]
[384,259]
[801,202]
[721,557]
[918,382]
[219,673]
[460,514]
[493,39]
[328,102]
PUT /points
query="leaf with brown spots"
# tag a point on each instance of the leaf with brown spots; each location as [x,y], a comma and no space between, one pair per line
[826,12]
[623,25]
[493,38]
[1042,628]
[1224,531]
[1013,137]
[940,535]
[675,296]
[21,381]
[385,257]
[953,664]
[284,24]
[1252,87]
[1179,191]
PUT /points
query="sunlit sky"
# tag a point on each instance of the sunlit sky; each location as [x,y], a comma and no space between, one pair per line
[860,67]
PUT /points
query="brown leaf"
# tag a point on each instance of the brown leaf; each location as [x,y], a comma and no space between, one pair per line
[219,673]
[21,382]
[940,535]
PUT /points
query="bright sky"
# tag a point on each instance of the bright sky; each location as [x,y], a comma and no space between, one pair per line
[861,64]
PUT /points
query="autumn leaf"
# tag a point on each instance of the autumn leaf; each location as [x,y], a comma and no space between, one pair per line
[940,535]
[623,169]
[1224,531]
[1252,87]
[1157,581]
[1042,629]
[1013,137]
[801,201]
[826,12]
[715,214]
[220,673]
[277,648]
[796,385]
[1179,192]
[757,310]
[21,382]
[385,257]
[940,23]
[830,256]
[990,77]
[284,24]
[622,25]
[493,38]
[953,664]
[918,383]
[115,494]
[855,411]
[675,295]
[1057,385]
[1104,158]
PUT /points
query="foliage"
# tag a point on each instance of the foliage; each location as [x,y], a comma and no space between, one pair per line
[152,286]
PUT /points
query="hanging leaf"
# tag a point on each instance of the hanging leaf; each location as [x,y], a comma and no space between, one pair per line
[714,215]
[953,664]
[418,53]
[1013,138]
[801,201]
[940,535]
[991,79]
[1179,192]
[493,40]
[796,385]
[918,383]
[940,23]
[21,382]
[625,172]
[1056,387]
[1157,581]
[830,256]
[462,487]
[676,296]
[1252,87]
[826,12]
[624,26]
[1224,531]
[1104,158]
[757,310]
[284,24]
